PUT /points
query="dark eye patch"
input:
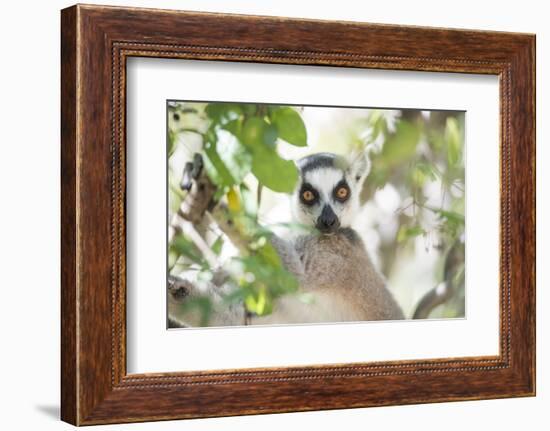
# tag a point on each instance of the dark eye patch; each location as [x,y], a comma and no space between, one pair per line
[306,187]
[341,191]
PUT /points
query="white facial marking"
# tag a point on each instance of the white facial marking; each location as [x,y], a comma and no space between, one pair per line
[324,180]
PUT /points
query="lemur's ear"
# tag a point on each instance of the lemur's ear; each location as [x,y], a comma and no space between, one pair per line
[359,165]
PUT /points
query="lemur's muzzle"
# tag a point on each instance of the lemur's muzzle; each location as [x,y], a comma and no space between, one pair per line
[328,221]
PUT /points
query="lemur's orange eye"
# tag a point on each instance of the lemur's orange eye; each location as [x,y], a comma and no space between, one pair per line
[342,193]
[308,196]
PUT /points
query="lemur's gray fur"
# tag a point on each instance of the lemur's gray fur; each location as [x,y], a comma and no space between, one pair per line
[332,265]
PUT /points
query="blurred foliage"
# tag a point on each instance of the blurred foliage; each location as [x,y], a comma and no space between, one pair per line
[412,152]
[237,140]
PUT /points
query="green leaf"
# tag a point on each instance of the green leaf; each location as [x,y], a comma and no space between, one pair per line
[453,140]
[249,201]
[172,258]
[263,280]
[270,255]
[421,172]
[290,126]
[237,295]
[270,135]
[227,161]
[259,302]
[268,282]
[452,216]
[223,112]
[172,142]
[270,169]
[183,247]
[274,172]
[235,156]
[406,233]
[252,134]
[215,168]
[235,127]
[401,146]
[428,170]
[218,245]
[249,108]
[379,173]
[257,133]
[376,122]
[282,282]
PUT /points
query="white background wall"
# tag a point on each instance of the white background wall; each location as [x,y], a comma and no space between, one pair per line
[29,228]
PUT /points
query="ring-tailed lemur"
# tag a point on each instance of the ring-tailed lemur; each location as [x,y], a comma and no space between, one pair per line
[332,265]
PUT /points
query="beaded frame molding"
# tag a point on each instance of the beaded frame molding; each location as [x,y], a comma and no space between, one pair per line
[95,43]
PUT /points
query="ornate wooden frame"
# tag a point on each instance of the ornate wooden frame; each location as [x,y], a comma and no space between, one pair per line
[95,43]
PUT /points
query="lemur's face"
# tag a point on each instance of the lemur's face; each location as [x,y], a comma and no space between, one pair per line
[327,195]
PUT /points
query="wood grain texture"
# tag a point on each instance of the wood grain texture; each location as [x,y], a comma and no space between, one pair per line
[96,41]
[68,218]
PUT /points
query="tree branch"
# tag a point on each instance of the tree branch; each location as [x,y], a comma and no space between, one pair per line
[446,289]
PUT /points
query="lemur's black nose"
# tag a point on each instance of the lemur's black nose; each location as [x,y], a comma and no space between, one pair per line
[327,221]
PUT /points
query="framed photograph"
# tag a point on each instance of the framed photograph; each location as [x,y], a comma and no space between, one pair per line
[322,214]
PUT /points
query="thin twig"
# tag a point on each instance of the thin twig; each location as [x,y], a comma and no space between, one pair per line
[201,244]
[191,130]
[259,195]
